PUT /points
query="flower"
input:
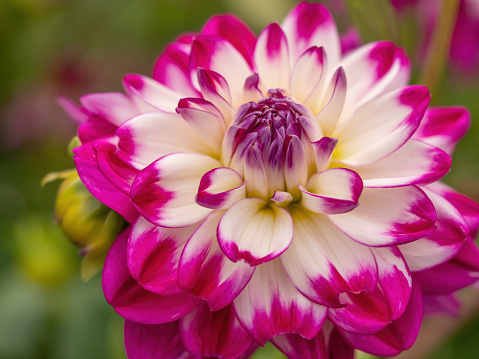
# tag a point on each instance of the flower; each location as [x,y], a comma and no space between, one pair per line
[277,191]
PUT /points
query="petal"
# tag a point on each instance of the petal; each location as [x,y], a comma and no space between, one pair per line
[387,216]
[94,128]
[216,90]
[254,173]
[296,166]
[144,341]
[271,58]
[270,305]
[251,91]
[219,55]
[381,126]
[369,312]
[99,186]
[322,262]
[133,302]
[323,151]
[373,70]
[206,272]
[312,25]
[333,191]
[235,32]
[295,346]
[307,75]
[205,119]
[220,188]
[153,254]
[335,95]
[415,162]
[214,334]
[78,114]
[254,231]
[165,191]
[152,92]
[114,107]
[397,336]
[441,244]
[444,127]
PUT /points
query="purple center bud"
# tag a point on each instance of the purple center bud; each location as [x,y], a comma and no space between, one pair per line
[266,141]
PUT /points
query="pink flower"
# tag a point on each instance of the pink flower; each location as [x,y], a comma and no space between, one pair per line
[277,191]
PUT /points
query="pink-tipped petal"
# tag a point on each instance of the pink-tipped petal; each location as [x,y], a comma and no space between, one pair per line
[251,91]
[370,312]
[147,137]
[152,92]
[205,119]
[295,346]
[220,188]
[216,90]
[165,191]
[215,334]
[322,262]
[270,305]
[153,254]
[388,216]
[271,58]
[206,272]
[323,151]
[444,127]
[312,25]
[333,191]
[78,114]
[416,162]
[114,107]
[146,341]
[255,231]
[367,137]
[334,98]
[295,166]
[132,301]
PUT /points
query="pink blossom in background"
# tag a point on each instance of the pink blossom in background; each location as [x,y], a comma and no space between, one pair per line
[277,190]
[464,50]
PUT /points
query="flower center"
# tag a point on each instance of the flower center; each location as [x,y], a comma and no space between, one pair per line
[267,144]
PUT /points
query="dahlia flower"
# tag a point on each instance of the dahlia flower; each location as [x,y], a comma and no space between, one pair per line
[278,191]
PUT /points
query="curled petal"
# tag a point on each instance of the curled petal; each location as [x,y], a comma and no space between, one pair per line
[164,192]
[216,90]
[335,95]
[220,188]
[206,272]
[132,301]
[153,255]
[333,191]
[307,74]
[215,334]
[322,262]
[367,137]
[255,231]
[323,151]
[251,91]
[387,216]
[146,341]
[270,305]
[414,163]
[271,58]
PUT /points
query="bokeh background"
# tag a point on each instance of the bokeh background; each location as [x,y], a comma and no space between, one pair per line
[73,47]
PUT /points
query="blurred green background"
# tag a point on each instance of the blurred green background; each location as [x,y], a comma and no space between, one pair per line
[73,47]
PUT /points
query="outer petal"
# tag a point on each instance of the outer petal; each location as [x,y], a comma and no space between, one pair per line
[373,70]
[387,216]
[153,255]
[114,107]
[444,127]
[235,31]
[149,136]
[415,162]
[220,188]
[311,25]
[255,231]
[206,272]
[270,305]
[214,334]
[219,55]
[165,191]
[143,341]
[381,126]
[152,92]
[333,191]
[307,74]
[99,186]
[322,262]
[367,313]
[397,336]
[441,244]
[133,302]
[271,58]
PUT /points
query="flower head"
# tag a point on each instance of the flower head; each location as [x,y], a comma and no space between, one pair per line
[276,191]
